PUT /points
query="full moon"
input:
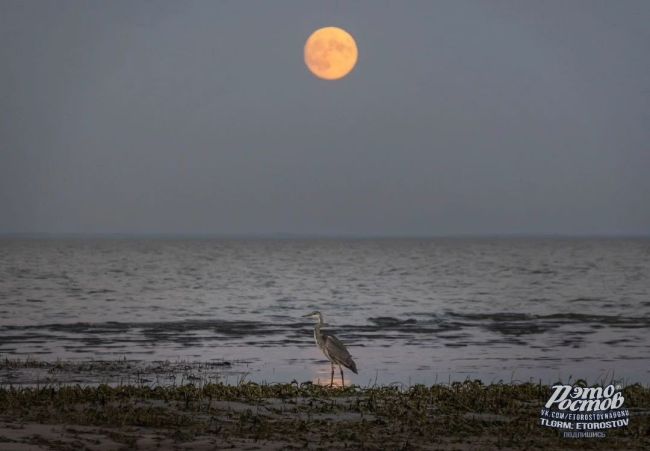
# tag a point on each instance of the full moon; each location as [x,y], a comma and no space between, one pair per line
[330,53]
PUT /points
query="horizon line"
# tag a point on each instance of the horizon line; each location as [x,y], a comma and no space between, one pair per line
[314,236]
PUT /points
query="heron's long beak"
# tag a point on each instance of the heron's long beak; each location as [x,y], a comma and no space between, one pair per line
[308,315]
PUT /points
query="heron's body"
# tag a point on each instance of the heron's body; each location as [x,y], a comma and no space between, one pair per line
[334,350]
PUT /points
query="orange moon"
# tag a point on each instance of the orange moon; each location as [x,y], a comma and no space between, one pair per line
[331,53]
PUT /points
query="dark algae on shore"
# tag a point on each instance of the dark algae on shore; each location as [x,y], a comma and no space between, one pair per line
[468,415]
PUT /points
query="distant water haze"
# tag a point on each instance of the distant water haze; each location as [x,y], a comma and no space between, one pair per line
[410,310]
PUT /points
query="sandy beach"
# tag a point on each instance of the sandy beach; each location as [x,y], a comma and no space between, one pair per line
[198,414]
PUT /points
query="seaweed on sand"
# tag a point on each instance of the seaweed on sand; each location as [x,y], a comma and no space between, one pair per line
[455,416]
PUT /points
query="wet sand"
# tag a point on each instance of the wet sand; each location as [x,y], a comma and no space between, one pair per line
[202,414]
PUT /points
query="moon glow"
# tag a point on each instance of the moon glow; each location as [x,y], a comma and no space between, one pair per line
[331,53]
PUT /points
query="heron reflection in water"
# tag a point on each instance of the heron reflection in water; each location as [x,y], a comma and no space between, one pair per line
[334,350]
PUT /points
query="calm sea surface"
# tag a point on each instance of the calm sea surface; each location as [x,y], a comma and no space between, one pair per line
[410,311]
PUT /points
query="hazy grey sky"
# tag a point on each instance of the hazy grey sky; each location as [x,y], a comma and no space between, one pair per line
[461,117]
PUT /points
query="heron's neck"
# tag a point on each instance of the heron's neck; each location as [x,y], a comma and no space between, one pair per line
[318,325]
[318,335]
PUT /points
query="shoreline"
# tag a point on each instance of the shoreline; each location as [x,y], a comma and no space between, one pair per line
[33,372]
[206,415]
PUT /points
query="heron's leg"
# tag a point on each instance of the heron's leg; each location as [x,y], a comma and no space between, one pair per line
[332,380]
[342,380]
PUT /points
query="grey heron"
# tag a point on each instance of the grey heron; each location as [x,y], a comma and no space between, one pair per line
[334,350]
